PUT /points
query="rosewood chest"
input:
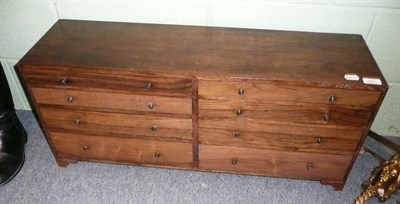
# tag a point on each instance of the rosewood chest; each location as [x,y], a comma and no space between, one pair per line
[259,102]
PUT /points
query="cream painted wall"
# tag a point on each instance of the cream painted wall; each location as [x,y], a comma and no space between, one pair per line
[22,23]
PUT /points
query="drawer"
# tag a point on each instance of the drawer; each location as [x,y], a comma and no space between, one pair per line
[116,81]
[294,139]
[285,113]
[103,100]
[117,124]
[122,150]
[258,125]
[274,91]
[274,163]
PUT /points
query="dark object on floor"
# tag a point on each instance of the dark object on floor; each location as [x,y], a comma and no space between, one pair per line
[12,135]
[385,179]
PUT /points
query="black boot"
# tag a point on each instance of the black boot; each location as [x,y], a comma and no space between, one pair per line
[12,134]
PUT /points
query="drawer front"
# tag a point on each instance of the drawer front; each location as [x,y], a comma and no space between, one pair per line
[123,150]
[127,125]
[274,163]
[293,113]
[105,80]
[332,141]
[103,100]
[270,92]
[257,125]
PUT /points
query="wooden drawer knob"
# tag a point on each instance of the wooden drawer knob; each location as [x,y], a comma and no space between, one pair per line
[85,147]
[64,81]
[154,128]
[77,122]
[148,85]
[327,117]
[332,99]
[310,166]
[241,91]
[151,105]
[239,112]
[236,134]
[157,155]
[234,161]
[70,99]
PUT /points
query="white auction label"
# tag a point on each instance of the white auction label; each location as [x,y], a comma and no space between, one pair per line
[372,80]
[352,77]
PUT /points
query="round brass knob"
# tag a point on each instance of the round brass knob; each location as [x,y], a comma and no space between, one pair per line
[64,81]
[157,154]
[148,85]
[70,99]
[236,134]
[310,167]
[77,122]
[154,128]
[241,91]
[318,139]
[234,161]
[239,111]
[85,147]
[151,105]
[332,99]
[327,117]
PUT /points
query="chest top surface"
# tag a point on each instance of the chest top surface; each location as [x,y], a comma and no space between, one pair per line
[208,52]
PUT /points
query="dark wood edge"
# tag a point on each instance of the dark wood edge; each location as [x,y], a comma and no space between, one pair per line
[195,122]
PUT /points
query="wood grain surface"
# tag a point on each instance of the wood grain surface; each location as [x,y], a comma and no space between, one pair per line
[274,163]
[319,59]
[275,91]
[117,81]
[98,148]
[285,113]
[117,124]
[322,141]
[116,101]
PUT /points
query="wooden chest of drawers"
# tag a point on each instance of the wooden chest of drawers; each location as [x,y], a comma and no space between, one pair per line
[245,101]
